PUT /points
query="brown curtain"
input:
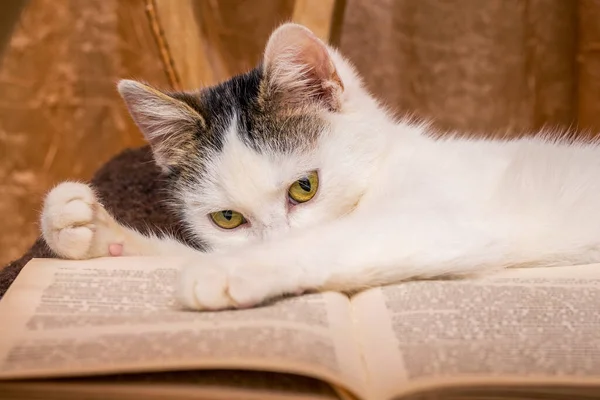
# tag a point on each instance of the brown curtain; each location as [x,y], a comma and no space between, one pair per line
[10,11]
[493,65]
[507,67]
[60,115]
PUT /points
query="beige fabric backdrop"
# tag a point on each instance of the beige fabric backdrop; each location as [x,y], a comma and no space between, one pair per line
[60,115]
[473,65]
[502,66]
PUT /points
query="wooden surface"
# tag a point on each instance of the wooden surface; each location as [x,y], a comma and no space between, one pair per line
[191,57]
[205,42]
[238,30]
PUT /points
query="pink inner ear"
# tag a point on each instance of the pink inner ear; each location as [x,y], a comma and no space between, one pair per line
[315,54]
[294,54]
[298,46]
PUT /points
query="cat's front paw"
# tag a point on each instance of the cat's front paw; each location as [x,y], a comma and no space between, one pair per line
[211,283]
[71,219]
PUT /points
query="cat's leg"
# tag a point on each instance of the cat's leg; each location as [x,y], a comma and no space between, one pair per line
[346,255]
[76,226]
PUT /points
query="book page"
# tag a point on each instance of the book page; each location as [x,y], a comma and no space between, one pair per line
[518,326]
[120,315]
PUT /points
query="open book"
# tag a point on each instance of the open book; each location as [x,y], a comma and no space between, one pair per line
[110,328]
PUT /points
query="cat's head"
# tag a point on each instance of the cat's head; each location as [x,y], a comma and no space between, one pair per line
[289,144]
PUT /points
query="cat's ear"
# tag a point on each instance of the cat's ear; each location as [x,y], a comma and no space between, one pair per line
[167,123]
[299,68]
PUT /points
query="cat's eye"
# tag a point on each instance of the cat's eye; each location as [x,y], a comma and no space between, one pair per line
[227,219]
[304,188]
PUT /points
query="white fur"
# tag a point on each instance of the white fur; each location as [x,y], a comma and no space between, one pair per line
[393,204]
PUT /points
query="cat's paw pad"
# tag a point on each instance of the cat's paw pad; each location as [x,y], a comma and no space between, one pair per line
[218,287]
[68,220]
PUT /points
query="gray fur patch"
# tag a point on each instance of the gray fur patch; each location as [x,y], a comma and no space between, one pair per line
[262,123]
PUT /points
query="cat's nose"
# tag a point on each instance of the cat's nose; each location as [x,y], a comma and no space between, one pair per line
[274,230]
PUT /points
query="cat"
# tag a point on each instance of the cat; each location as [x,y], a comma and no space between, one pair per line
[297,179]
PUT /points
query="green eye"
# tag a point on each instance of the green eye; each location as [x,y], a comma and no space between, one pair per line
[305,188]
[227,219]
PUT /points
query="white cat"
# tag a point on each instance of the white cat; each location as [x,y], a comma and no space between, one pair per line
[297,179]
